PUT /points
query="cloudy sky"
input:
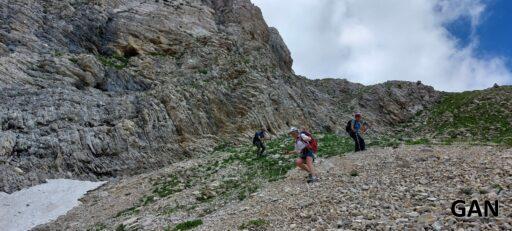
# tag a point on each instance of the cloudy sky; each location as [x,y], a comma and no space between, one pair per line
[452,45]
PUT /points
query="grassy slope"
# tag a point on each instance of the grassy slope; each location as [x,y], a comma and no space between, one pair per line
[475,116]
[247,175]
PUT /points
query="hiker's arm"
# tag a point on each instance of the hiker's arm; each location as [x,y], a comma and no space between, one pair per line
[305,138]
[292,152]
[363,128]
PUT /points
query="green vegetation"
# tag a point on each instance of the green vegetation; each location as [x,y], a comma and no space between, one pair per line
[121,227]
[257,224]
[98,227]
[238,173]
[475,117]
[167,186]
[58,53]
[483,191]
[385,142]
[187,225]
[467,191]
[483,116]
[147,199]
[116,61]
[203,71]
[498,188]
[129,211]
[73,60]
[333,145]
[222,146]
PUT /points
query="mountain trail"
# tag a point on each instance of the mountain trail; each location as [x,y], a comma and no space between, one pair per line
[381,189]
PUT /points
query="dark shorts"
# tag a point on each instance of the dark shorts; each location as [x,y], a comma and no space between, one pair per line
[307,153]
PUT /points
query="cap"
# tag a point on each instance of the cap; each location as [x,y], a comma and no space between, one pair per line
[294,129]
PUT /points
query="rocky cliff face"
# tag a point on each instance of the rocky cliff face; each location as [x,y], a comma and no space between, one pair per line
[100,88]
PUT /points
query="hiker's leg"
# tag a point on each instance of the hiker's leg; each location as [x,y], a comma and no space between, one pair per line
[309,163]
[300,163]
[257,148]
[359,147]
[262,148]
[352,135]
[362,143]
[258,145]
[356,141]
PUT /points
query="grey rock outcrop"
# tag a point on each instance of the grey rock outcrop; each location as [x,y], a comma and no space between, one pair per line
[92,89]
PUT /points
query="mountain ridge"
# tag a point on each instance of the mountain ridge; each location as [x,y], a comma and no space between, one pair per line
[97,89]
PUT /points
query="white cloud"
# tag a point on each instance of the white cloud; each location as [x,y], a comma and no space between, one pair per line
[371,41]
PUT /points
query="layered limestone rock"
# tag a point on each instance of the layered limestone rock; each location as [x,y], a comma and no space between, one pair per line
[92,89]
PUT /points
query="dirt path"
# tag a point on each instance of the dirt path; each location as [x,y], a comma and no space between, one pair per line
[381,189]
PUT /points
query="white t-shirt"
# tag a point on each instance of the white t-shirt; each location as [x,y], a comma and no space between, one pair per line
[299,144]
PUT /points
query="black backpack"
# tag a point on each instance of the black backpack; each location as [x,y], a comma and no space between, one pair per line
[256,137]
[348,128]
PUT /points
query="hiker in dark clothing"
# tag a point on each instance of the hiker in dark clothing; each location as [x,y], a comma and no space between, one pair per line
[258,141]
[358,128]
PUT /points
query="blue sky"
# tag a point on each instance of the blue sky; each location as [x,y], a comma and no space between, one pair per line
[453,45]
[494,32]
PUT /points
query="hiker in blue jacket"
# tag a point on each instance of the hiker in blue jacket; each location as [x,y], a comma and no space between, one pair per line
[357,128]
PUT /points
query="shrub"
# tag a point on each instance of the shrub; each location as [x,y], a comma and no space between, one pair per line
[188,225]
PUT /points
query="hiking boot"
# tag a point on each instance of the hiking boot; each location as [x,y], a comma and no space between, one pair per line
[312,179]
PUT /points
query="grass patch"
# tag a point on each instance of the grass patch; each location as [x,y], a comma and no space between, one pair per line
[333,145]
[203,71]
[385,142]
[73,60]
[247,173]
[483,191]
[187,225]
[145,200]
[467,191]
[98,227]
[256,224]
[58,53]
[223,146]
[472,116]
[497,187]
[121,227]
[116,61]
[167,187]
[475,117]
[130,211]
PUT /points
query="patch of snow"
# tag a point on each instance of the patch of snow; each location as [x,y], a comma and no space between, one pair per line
[40,204]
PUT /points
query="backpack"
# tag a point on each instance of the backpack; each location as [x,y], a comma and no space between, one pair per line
[348,128]
[256,137]
[312,144]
